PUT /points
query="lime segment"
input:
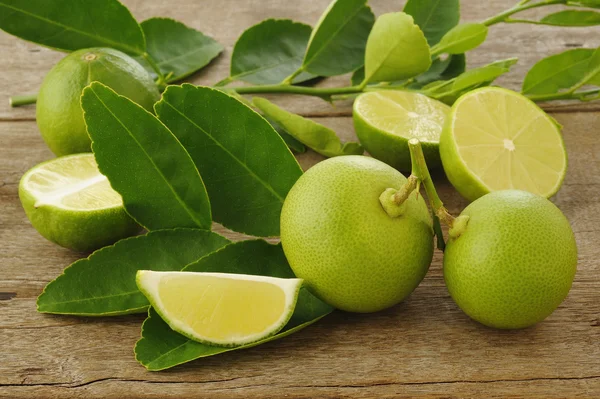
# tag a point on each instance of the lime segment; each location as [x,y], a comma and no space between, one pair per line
[72,204]
[496,139]
[385,121]
[220,308]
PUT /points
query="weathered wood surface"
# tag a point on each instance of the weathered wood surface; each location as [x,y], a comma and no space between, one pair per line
[425,347]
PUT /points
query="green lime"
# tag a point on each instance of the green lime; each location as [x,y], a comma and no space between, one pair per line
[510,260]
[339,239]
[385,120]
[496,139]
[220,308]
[71,204]
[59,115]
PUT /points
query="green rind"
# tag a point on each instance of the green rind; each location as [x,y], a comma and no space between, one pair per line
[81,231]
[464,181]
[160,311]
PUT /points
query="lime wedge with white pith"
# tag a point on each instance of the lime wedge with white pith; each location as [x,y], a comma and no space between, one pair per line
[496,139]
[71,204]
[385,120]
[220,308]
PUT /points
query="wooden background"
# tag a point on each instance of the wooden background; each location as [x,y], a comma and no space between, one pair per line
[425,347]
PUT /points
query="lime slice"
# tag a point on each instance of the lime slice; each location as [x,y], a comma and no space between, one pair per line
[70,203]
[220,308]
[496,139]
[385,120]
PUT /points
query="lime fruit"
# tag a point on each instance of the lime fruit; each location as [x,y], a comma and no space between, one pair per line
[496,139]
[71,204]
[510,260]
[59,115]
[219,308]
[385,120]
[339,239]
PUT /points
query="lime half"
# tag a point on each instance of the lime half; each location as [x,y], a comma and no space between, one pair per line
[70,203]
[496,139]
[220,308]
[385,121]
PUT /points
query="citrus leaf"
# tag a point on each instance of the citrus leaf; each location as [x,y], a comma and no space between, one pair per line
[358,76]
[557,72]
[73,24]
[247,167]
[270,51]
[312,134]
[337,44]
[144,162]
[393,37]
[434,17]
[462,38]
[178,50]
[572,18]
[451,67]
[103,284]
[161,348]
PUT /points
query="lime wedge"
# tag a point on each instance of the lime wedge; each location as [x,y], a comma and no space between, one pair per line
[496,139]
[70,203]
[385,120]
[219,308]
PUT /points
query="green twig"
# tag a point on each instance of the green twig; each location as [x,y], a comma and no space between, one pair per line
[521,6]
[290,79]
[17,101]
[583,95]
[224,82]
[161,81]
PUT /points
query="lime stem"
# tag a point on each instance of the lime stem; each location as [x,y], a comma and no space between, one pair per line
[25,99]
[521,6]
[421,172]
[290,79]
[407,188]
[161,82]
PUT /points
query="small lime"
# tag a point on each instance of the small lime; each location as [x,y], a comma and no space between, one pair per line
[513,261]
[339,239]
[385,120]
[496,139]
[220,308]
[71,204]
[59,115]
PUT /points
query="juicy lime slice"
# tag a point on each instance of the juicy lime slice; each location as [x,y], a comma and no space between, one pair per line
[220,308]
[385,121]
[496,139]
[72,204]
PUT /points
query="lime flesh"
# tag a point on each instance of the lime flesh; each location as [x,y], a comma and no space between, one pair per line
[58,111]
[339,239]
[385,120]
[496,139]
[70,203]
[219,308]
[514,262]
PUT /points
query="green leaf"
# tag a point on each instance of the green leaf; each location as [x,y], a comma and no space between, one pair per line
[178,50]
[291,142]
[73,24]
[557,72]
[270,51]
[396,49]
[247,167]
[358,76]
[572,18]
[585,3]
[446,69]
[144,162]
[312,134]
[103,284]
[337,44]
[161,348]
[462,38]
[434,17]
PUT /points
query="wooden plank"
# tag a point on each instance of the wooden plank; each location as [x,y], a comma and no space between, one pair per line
[225,20]
[425,347]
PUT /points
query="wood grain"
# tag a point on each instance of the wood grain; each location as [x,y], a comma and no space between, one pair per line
[423,348]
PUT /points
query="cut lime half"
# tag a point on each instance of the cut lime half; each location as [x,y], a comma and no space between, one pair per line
[220,308]
[496,139]
[71,203]
[385,120]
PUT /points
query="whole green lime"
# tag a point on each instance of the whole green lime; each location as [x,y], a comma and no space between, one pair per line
[339,239]
[59,115]
[510,260]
